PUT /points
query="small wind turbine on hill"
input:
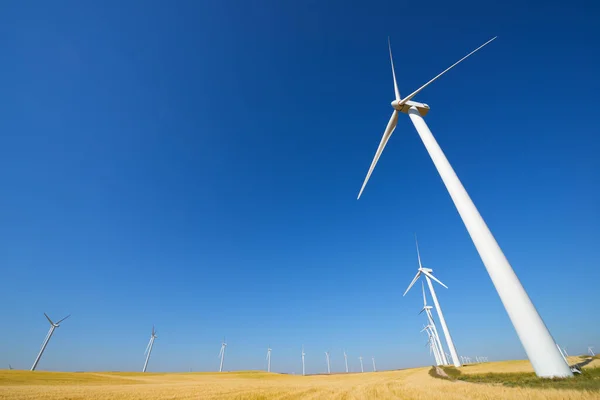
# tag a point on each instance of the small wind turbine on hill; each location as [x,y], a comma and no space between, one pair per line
[53,326]
[428,273]
[303,354]
[269,359]
[222,355]
[149,348]
[346,360]
[591,351]
[328,365]
[533,333]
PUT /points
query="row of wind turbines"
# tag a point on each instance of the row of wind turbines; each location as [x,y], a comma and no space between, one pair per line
[434,343]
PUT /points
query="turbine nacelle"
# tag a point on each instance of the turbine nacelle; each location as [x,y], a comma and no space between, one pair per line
[404,106]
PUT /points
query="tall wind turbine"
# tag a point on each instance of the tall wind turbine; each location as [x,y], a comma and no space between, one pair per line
[428,273]
[222,355]
[10,366]
[533,333]
[149,348]
[361,364]
[374,368]
[591,351]
[346,360]
[303,354]
[53,326]
[269,359]
[427,310]
[328,365]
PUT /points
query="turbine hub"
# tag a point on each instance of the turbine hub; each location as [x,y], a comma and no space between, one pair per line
[396,105]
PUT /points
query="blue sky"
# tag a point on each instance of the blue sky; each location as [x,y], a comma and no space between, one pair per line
[196,165]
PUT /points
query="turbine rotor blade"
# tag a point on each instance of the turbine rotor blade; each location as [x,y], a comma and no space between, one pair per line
[386,136]
[413,282]
[396,91]
[413,94]
[48,318]
[63,319]
[424,298]
[435,279]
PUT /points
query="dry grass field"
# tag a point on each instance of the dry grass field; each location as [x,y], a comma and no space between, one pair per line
[405,384]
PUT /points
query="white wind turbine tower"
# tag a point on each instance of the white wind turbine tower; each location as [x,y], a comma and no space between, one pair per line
[149,348]
[591,351]
[533,333]
[346,360]
[361,364]
[427,310]
[374,368]
[328,365]
[222,355]
[269,359]
[427,272]
[53,326]
[303,354]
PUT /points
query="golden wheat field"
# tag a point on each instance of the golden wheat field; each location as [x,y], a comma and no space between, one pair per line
[404,384]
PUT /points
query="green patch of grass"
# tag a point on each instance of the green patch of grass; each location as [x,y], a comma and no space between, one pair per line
[589,379]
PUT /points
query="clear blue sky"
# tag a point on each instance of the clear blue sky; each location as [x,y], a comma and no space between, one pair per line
[195,165]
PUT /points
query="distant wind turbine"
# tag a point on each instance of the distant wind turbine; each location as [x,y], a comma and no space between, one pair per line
[428,273]
[361,364]
[222,355]
[591,351]
[10,366]
[149,348]
[328,365]
[432,343]
[269,359]
[346,360]
[427,310]
[531,330]
[374,368]
[303,354]
[53,326]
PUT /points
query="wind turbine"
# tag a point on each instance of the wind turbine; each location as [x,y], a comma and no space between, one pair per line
[269,359]
[374,368]
[533,333]
[10,366]
[591,351]
[346,360]
[303,354]
[427,272]
[149,348]
[328,365]
[53,326]
[427,310]
[361,364]
[432,344]
[222,354]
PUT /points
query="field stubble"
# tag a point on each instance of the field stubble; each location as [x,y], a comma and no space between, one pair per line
[405,384]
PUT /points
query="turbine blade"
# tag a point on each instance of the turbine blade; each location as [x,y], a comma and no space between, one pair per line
[413,94]
[63,319]
[420,312]
[413,282]
[424,298]
[386,136]
[48,318]
[435,279]
[396,91]
[418,253]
